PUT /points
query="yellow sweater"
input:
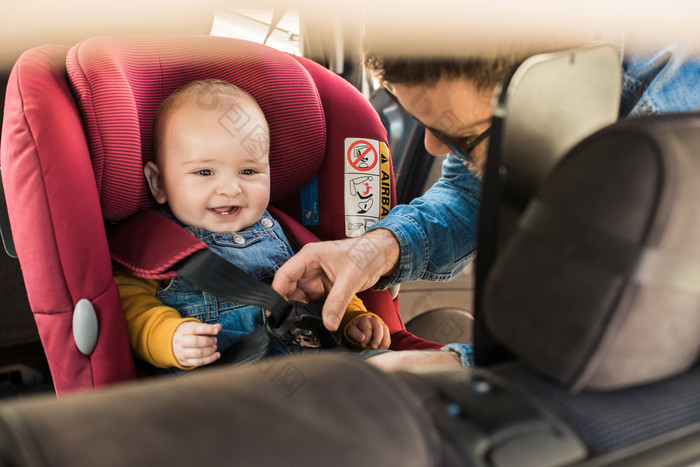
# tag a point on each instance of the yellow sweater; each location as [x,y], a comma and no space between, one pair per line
[151,324]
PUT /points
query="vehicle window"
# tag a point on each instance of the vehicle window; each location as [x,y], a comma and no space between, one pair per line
[276,28]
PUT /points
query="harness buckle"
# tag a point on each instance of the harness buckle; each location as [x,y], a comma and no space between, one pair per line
[305,325]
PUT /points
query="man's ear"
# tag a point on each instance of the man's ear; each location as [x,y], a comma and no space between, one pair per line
[155,182]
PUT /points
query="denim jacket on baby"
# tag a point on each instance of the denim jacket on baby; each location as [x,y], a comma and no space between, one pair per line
[437,231]
[260,250]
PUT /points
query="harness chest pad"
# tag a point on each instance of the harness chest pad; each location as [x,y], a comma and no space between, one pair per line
[599,288]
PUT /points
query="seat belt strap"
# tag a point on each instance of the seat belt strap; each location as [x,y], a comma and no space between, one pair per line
[212,273]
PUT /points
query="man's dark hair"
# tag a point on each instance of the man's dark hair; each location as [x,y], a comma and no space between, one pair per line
[411,62]
[486,73]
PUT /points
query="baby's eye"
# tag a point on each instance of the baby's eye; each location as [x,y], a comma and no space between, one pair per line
[205,172]
[248,172]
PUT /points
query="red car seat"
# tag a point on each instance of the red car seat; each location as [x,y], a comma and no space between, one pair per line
[76,133]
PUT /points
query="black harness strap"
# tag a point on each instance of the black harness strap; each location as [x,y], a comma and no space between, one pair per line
[212,273]
[215,275]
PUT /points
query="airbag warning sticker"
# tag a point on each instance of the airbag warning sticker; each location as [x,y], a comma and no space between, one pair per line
[367,184]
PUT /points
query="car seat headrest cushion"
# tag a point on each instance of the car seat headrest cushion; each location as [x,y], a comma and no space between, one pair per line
[120,81]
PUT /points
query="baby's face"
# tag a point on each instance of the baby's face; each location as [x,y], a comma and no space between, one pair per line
[214,166]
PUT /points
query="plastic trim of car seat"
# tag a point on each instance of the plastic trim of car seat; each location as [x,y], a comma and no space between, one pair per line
[85,326]
[485,421]
[487,350]
[678,447]
[5,232]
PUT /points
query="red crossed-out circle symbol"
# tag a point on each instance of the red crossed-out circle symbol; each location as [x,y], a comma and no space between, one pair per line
[364,158]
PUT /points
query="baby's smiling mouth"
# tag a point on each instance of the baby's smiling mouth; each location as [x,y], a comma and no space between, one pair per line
[225,210]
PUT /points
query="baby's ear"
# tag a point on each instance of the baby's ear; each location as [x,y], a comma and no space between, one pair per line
[155,182]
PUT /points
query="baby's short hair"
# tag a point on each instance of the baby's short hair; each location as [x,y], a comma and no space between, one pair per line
[208,94]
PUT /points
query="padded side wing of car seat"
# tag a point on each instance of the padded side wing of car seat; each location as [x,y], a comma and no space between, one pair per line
[57,224]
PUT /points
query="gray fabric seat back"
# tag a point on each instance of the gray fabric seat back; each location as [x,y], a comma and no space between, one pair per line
[599,288]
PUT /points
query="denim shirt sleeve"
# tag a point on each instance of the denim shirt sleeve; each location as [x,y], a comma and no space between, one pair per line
[659,81]
[437,231]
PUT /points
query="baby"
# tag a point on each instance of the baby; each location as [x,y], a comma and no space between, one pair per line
[211,174]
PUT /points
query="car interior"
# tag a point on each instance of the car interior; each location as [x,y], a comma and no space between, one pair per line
[571,307]
[27,369]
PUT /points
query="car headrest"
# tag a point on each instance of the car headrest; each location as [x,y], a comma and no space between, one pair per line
[599,287]
[120,81]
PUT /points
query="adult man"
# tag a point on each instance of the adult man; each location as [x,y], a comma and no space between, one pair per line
[433,238]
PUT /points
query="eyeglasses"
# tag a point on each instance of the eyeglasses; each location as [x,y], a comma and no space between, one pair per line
[460,147]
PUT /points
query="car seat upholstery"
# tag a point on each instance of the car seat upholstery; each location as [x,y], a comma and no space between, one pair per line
[602,270]
[600,307]
[75,137]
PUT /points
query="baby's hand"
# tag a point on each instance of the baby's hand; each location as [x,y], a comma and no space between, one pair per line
[194,344]
[369,332]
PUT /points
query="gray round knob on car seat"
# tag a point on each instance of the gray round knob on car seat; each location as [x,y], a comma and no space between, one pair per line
[443,325]
[85,326]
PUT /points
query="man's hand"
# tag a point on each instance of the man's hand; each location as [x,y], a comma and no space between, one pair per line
[370,332]
[337,270]
[407,359]
[194,344]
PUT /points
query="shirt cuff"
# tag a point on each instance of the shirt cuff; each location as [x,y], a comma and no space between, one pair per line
[465,352]
[403,229]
